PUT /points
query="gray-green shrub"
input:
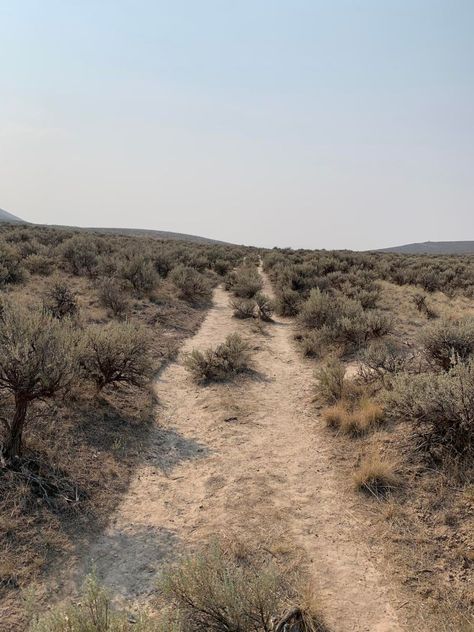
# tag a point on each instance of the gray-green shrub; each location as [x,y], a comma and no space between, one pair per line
[220,363]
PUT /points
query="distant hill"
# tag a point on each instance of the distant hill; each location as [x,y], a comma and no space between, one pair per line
[144,232]
[5,216]
[434,248]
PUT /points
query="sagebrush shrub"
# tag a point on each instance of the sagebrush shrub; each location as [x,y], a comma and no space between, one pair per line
[330,378]
[243,307]
[60,301]
[440,405]
[11,267]
[221,363]
[94,612]
[287,302]
[245,281]
[116,353]
[140,272]
[113,297]
[263,306]
[449,341]
[192,285]
[215,591]
[37,359]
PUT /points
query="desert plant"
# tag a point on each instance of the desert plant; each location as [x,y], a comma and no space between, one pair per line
[192,285]
[287,302]
[354,419]
[376,476]
[11,268]
[449,341]
[116,353]
[243,307]
[80,254]
[245,281]
[37,359]
[441,406]
[330,378]
[216,591]
[39,264]
[422,306]
[113,297]
[60,301]
[384,358]
[94,612]
[140,272]
[264,307]
[221,363]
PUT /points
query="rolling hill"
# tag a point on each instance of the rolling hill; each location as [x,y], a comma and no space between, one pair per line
[5,216]
[434,248]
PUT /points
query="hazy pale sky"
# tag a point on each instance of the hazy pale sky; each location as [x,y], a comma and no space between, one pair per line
[319,124]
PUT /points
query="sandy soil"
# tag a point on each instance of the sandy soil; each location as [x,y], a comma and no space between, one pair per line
[244,457]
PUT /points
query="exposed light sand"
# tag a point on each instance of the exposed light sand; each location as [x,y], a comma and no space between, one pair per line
[270,466]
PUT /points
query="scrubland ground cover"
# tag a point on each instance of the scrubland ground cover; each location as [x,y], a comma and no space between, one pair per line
[393,337]
[86,321]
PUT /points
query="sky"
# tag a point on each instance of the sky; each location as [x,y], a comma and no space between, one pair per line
[302,123]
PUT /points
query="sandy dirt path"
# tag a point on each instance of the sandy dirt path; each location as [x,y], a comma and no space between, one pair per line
[245,457]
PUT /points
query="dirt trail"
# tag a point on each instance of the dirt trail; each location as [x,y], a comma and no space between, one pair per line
[244,457]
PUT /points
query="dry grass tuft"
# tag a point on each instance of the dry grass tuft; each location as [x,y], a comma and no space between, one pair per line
[377,476]
[354,421]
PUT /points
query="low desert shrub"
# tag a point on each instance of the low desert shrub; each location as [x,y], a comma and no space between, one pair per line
[384,358]
[216,590]
[191,284]
[37,360]
[287,302]
[94,612]
[422,306]
[330,378]
[441,406]
[60,301]
[376,476]
[116,353]
[448,341]
[245,281]
[80,254]
[263,306]
[113,297]
[221,363]
[39,264]
[140,272]
[243,307]
[12,270]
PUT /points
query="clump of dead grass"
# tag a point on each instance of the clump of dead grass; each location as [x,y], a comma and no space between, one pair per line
[377,476]
[356,420]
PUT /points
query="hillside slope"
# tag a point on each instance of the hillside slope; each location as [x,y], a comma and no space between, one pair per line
[434,248]
[5,216]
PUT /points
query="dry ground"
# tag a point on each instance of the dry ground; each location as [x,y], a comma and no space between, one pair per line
[250,459]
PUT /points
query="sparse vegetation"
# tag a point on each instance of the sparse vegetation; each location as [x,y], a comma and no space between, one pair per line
[221,363]
[114,353]
[376,476]
[37,360]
